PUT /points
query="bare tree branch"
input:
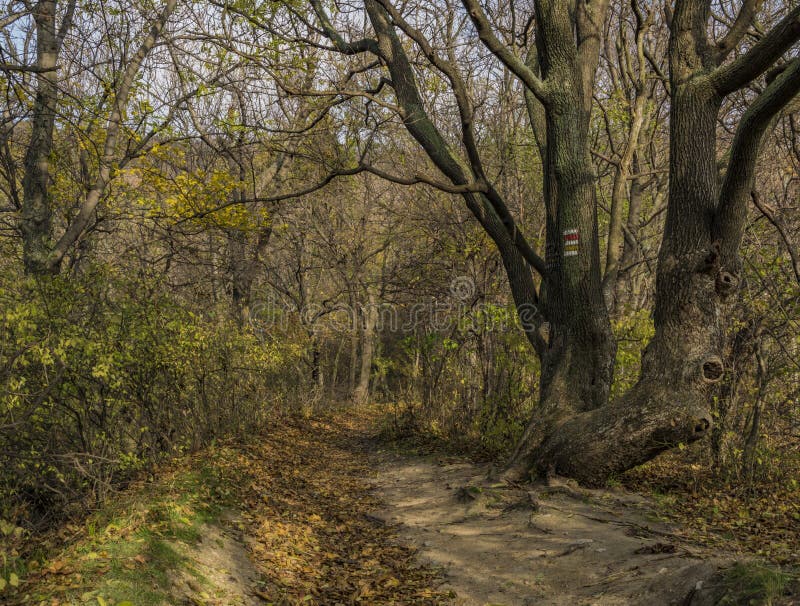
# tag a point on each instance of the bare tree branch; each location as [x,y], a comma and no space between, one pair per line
[743,21]
[124,86]
[778,225]
[348,48]
[502,52]
[740,175]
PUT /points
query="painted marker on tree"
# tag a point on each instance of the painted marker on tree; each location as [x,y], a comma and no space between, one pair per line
[572,239]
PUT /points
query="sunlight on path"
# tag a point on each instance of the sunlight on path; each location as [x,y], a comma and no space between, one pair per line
[518,547]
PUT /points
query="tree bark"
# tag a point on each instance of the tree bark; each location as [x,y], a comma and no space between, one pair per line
[577,363]
[626,287]
[669,404]
[36,222]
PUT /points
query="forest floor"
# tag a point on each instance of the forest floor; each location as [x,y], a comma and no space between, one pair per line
[322,512]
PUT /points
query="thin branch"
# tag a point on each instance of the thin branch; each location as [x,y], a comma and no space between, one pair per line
[448,67]
[343,46]
[9,19]
[767,212]
[278,197]
[418,179]
[10,67]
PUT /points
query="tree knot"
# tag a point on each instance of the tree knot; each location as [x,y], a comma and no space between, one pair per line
[713,369]
[710,262]
[725,283]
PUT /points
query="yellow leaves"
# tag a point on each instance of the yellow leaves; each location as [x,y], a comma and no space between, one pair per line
[204,196]
[8,529]
[10,542]
[58,566]
[300,501]
[92,597]
[759,518]
[102,369]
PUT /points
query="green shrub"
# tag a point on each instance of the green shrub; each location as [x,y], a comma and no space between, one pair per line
[101,375]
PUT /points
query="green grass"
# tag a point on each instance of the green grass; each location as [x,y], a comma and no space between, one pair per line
[133,549]
[752,584]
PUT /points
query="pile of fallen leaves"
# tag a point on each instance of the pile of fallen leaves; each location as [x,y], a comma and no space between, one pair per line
[761,517]
[307,514]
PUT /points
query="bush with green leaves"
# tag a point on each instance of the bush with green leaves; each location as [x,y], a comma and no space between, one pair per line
[102,375]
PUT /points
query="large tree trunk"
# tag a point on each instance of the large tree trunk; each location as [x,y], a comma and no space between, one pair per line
[667,406]
[577,361]
[575,430]
[37,214]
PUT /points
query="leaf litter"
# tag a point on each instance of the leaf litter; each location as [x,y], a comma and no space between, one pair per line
[280,519]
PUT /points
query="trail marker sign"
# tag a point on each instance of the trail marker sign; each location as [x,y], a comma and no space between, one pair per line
[572,240]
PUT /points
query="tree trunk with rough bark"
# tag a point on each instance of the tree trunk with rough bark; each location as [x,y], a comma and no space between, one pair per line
[698,262]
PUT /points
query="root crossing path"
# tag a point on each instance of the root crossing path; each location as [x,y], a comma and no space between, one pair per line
[554,545]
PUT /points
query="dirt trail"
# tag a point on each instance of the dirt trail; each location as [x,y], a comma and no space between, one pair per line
[221,560]
[520,546]
[333,517]
[319,512]
[282,519]
[329,516]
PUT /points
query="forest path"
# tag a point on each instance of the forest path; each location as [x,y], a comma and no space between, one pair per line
[519,546]
[280,519]
[322,512]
